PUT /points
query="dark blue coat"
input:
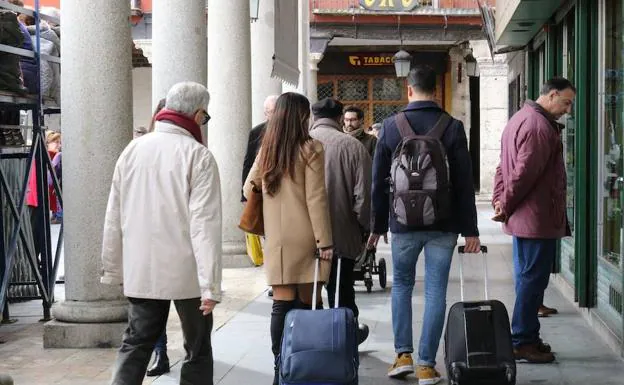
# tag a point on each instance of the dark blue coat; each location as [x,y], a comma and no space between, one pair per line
[422,116]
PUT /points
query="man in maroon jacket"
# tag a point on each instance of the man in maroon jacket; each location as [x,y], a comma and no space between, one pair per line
[529,197]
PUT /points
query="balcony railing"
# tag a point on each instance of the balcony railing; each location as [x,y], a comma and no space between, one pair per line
[355,4]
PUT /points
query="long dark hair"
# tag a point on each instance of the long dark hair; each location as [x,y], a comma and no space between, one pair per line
[287,133]
[160,106]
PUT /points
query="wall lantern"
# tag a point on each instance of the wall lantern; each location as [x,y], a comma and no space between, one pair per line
[402,63]
[471,65]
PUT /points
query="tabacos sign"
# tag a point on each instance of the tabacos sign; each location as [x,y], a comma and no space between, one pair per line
[390,5]
[371,60]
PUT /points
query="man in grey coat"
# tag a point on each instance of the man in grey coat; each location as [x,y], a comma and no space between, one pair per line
[348,182]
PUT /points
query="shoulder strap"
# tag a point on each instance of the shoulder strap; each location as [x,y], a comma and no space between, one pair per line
[405,129]
[441,125]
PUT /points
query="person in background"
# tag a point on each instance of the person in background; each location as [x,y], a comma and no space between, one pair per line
[28,65]
[159,107]
[290,167]
[530,199]
[173,253]
[374,129]
[348,183]
[253,145]
[53,140]
[354,126]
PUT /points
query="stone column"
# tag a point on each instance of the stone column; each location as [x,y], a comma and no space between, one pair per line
[262,50]
[97,125]
[229,82]
[494,90]
[315,59]
[179,47]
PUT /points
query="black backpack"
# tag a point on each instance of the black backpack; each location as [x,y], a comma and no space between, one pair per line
[419,175]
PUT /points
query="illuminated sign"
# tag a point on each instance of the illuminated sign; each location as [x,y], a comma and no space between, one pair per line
[390,5]
[366,60]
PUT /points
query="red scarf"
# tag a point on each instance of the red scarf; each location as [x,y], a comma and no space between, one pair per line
[181,120]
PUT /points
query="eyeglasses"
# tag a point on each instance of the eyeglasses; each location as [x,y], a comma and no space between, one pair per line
[206,117]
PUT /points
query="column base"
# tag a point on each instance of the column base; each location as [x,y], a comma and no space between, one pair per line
[235,255]
[86,324]
[57,334]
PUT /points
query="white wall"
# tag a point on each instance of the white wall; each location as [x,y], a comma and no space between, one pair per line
[142,96]
[494,98]
[460,92]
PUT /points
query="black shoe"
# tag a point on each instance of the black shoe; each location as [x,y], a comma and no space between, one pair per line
[160,366]
[270,292]
[362,333]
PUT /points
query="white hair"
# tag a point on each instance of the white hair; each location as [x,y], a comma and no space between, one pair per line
[187,98]
[270,101]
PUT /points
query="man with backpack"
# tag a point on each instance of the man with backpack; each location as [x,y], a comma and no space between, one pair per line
[422,185]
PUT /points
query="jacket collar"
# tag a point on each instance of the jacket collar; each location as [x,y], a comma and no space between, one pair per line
[170,128]
[551,119]
[326,122]
[421,105]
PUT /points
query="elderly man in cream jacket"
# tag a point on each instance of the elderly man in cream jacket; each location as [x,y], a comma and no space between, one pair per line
[162,237]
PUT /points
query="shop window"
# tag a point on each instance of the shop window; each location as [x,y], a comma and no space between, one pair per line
[610,280]
[325,90]
[388,89]
[353,89]
[379,96]
[382,111]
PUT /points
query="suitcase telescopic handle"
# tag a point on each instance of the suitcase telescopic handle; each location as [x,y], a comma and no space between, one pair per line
[316,273]
[484,251]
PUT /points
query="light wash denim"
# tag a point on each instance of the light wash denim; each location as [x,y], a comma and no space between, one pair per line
[406,247]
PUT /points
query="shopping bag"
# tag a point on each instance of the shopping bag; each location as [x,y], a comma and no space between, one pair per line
[254,249]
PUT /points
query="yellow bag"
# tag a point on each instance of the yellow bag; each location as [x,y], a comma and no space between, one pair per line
[254,249]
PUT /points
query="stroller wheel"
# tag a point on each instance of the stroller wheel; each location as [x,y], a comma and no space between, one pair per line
[381,267]
[369,286]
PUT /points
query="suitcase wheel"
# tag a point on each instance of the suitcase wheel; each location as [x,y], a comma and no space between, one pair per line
[381,268]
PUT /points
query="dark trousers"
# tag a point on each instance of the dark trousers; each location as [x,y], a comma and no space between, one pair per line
[533,259]
[161,344]
[147,319]
[346,292]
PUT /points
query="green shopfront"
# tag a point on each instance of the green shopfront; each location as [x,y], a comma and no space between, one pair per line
[583,40]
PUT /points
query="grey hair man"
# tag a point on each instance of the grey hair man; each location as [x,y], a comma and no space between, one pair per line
[348,183]
[172,252]
[255,138]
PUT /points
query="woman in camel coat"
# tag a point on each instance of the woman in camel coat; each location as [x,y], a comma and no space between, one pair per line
[290,168]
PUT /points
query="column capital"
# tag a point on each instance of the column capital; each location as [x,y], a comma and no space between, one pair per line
[314,58]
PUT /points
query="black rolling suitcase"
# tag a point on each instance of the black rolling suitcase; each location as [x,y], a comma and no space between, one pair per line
[477,341]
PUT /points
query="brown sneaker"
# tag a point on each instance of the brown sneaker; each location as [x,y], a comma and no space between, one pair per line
[532,354]
[545,311]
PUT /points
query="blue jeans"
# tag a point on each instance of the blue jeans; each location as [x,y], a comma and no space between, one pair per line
[406,248]
[533,259]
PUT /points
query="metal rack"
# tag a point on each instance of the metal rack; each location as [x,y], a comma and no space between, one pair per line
[16,232]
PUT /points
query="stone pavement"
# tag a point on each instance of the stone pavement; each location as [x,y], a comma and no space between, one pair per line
[243,355]
[242,344]
[21,348]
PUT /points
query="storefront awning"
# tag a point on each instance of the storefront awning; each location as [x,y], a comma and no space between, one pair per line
[518,21]
[286,57]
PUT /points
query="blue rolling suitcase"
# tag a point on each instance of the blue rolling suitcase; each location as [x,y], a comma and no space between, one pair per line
[319,347]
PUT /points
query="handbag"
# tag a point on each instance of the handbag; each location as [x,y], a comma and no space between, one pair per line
[252,219]
[254,249]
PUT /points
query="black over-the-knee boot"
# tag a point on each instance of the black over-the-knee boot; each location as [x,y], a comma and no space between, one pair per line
[278,317]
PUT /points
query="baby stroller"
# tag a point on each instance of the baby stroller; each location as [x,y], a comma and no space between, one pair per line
[366,266]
